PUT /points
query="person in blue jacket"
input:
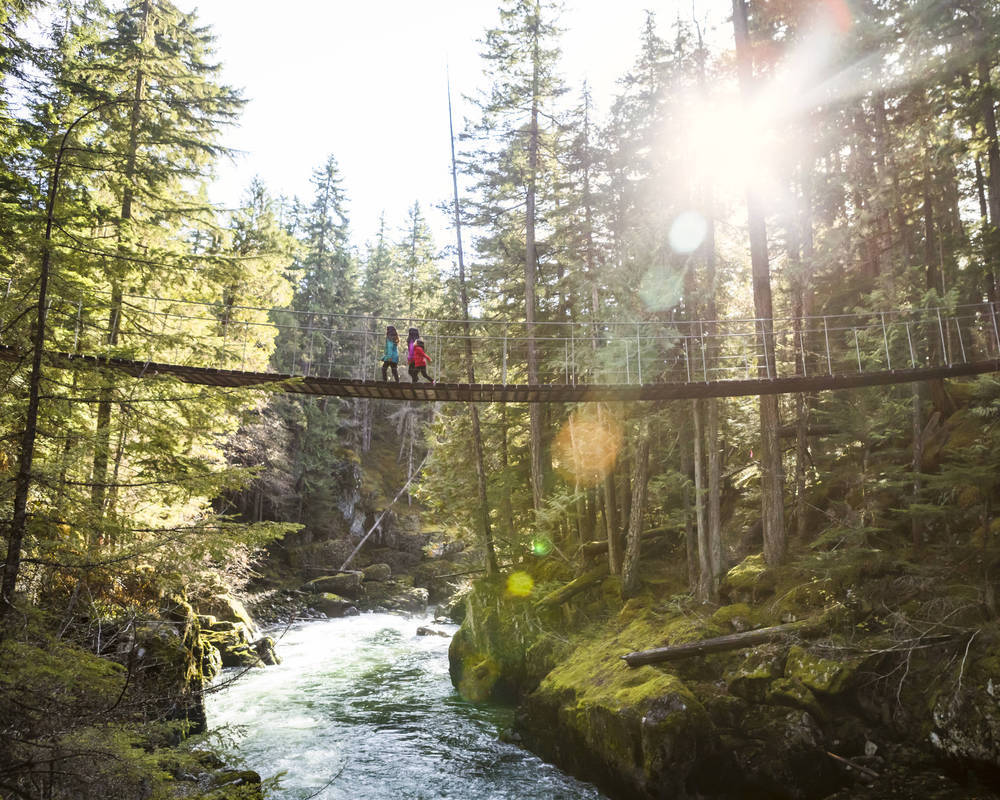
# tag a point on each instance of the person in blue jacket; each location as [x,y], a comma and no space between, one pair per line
[390,359]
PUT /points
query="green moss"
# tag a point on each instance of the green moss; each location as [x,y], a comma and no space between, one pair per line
[823,675]
[737,617]
[792,693]
[752,672]
[644,718]
[748,580]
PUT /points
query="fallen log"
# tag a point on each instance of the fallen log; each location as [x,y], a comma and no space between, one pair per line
[601,545]
[575,586]
[733,641]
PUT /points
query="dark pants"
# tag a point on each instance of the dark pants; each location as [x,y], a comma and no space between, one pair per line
[395,371]
[416,372]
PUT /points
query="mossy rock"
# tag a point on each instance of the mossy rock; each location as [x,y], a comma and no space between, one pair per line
[227,607]
[453,608]
[211,661]
[737,618]
[377,572]
[754,670]
[823,675]
[266,651]
[333,605]
[774,753]
[966,713]
[749,581]
[233,646]
[244,784]
[637,728]
[792,693]
[394,596]
[346,584]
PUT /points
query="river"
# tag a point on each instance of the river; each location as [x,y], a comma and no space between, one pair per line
[362,708]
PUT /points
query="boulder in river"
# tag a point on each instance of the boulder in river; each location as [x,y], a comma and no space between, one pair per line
[394,596]
[233,643]
[224,607]
[346,584]
[423,630]
[333,605]
[266,650]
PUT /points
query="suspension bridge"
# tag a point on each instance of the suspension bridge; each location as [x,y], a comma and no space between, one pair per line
[339,355]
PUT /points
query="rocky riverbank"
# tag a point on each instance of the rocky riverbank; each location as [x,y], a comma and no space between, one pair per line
[895,691]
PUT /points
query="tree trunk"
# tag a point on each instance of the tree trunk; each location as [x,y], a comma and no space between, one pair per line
[102,437]
[772,471]
[506,506]
[486,533]
[630,567]
[690,540]
[530,269]
[706,574]
[916,523]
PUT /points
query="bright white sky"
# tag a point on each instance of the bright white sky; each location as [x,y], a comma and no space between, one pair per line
[366,81]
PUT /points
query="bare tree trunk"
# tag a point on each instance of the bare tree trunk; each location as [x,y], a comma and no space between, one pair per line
[103,425]
[714,498]
[690,532]
[630,567]
[530,269]
[916,523]
[706,573]
[506,506]
[22,485]
[486,532]
[772,470]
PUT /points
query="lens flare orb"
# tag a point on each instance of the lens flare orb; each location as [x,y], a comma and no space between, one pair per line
[687,232]
[586,448]
[520,584]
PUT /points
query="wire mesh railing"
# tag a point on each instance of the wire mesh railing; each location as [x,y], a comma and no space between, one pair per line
[323,344]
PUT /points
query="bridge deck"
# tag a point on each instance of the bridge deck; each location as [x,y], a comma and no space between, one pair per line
[512,393]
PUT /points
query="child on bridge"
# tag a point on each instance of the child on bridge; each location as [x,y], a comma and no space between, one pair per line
[390,358]
[420,362]
[411,340]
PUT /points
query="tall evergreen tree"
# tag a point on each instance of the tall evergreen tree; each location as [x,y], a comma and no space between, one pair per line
[515,172]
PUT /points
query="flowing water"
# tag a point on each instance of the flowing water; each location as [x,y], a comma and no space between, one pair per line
[362,708]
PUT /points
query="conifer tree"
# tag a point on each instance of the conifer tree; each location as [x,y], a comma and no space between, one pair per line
[515,172]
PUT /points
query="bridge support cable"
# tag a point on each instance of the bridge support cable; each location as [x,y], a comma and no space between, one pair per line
[196,339]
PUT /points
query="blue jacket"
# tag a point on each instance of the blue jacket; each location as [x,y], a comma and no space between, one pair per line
[391,351]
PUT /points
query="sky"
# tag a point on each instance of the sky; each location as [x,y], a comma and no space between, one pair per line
[367,83]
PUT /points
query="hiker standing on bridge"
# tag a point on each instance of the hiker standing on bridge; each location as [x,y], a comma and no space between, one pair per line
[420,362]
[411,340]
[391,356]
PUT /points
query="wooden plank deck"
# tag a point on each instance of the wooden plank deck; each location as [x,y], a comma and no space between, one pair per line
[510,393]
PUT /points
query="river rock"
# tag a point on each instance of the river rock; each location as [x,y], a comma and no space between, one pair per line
[425,631]
[452,609]
[333,605]
[346,584]
[211,660]
[266,651]
[229,784]
[226,607]
[394,596]
[233,645]
[377,572]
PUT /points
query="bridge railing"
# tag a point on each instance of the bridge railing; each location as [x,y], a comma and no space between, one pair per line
[320,344]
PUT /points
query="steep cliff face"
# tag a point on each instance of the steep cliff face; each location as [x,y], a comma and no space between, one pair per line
[892,704]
